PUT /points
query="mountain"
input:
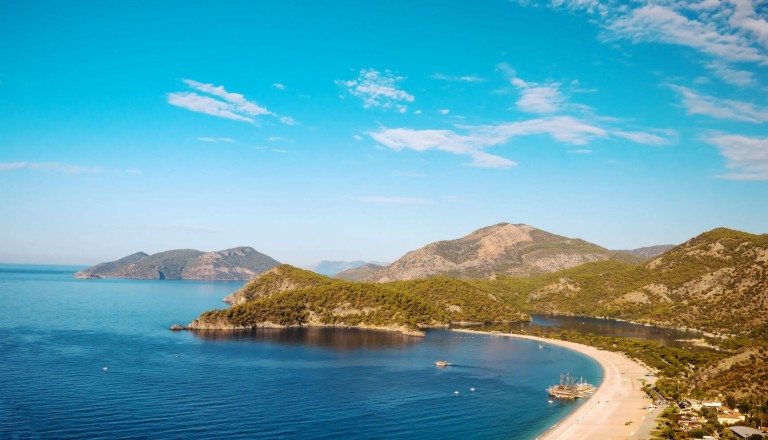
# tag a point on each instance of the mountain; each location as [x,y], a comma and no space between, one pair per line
[287,296]
[646,253]
[359,273]
[518,250]
[331,268]
[242,263]
[717,281]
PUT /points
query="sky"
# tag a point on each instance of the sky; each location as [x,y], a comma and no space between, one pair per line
[348,130]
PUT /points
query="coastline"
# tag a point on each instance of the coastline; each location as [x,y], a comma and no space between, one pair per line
[616,410]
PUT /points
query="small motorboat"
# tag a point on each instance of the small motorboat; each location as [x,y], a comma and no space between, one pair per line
[441,363]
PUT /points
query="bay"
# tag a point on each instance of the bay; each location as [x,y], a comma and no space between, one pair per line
[57,334]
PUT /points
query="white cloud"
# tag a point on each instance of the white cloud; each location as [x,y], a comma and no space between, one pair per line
[746,156]
[474,140]
[442,140]
[357,137]
[215,140]
[278,86]
[57,167]
[218,102]
[699,104]
[395,200]
[241,105]
[726,32]
[378,89]
[732,76]
[583,151]
[458,78]
[280,151]
[417,112]
[444,111]
[276,138]
[641,137]
[540,98]
[287,120]
[207,105]
[10,166]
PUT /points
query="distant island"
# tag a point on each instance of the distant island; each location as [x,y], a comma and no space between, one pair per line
[236,264]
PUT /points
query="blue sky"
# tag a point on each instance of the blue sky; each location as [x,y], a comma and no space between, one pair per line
[346,130]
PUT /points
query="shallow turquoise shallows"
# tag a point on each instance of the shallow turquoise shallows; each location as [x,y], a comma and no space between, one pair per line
[94,359]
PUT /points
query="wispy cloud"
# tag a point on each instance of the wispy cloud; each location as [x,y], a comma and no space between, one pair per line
[218,102]
[444,111]
[646,138]
[280,151]
[540,98]
[746,156]
[582,151]
[58,167]
[215,140]
[696,103]
[378,89]
[395,200]
[726,32]
[458,78]
[279,86]
[472,141]
[731,75]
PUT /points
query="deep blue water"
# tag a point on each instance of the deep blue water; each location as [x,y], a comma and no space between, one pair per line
[58,333]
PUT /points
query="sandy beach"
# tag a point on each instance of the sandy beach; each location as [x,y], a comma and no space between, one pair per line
[617,410]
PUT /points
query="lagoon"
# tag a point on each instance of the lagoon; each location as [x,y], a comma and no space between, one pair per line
[58,333]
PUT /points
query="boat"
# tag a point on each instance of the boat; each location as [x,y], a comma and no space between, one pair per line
[570,389]
[441,363]
[541,346]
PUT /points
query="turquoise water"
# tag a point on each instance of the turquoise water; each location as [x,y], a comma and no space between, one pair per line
[58,333]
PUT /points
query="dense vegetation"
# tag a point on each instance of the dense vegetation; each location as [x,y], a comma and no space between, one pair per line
[291,296]
[717,281]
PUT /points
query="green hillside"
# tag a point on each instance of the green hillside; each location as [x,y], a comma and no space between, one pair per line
[287,296]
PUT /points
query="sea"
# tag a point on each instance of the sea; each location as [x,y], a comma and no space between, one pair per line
[95,359]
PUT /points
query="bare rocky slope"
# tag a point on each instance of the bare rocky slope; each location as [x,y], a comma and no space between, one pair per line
[241,263]
[512,249]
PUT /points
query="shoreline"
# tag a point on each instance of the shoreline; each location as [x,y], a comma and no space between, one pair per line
[616,410]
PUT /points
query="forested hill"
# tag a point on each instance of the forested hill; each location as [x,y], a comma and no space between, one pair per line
[715,281]
[287,296]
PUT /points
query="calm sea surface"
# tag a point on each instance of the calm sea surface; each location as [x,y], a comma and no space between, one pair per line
[58,333]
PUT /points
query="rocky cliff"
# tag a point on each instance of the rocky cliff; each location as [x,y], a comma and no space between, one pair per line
[242,263]
[518,250]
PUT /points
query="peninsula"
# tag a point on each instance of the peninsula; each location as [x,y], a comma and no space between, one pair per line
[291,297]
